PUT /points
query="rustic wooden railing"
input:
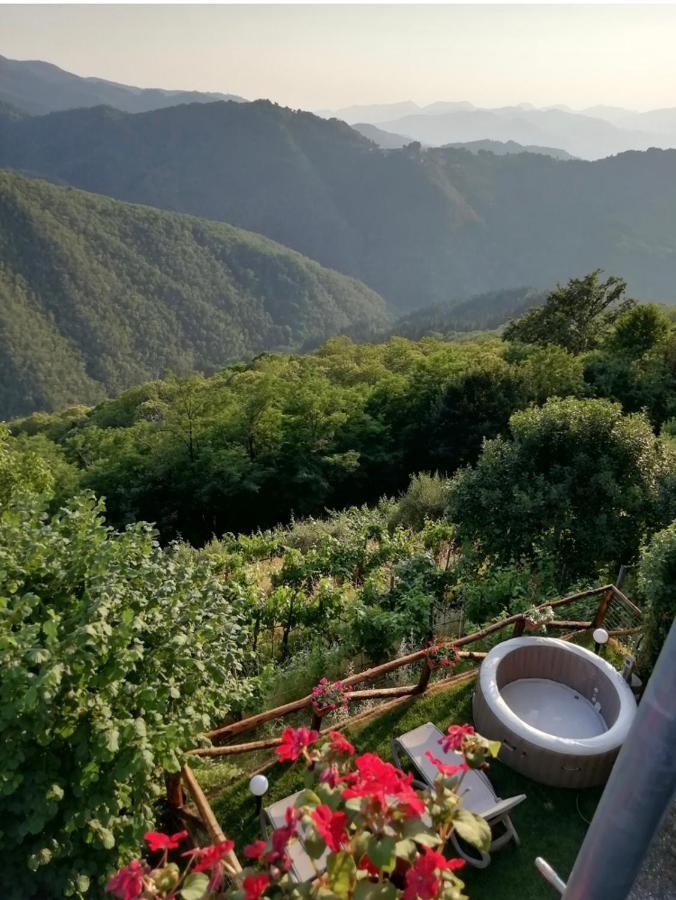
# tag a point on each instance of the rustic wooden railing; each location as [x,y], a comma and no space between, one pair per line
[610,597]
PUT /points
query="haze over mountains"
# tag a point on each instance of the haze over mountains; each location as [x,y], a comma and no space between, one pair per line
[591,133]
[36,87]
[418,226]
[98,294]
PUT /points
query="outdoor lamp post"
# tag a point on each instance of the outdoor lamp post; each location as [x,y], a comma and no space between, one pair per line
[258,787]
[600,636]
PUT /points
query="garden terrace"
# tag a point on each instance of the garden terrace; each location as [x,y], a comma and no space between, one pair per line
[551,823]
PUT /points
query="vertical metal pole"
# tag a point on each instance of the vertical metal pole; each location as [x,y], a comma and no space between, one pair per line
[640,790]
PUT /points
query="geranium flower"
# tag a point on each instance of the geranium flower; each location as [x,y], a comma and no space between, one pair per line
[127,884]
[454,737]
[282,836]
[330,775]
[255,850]
[382,782]
[446,769]
[158,841]
[255,885]
[209,860]
[332,826]
[422,879]
[294,741]
[340,744]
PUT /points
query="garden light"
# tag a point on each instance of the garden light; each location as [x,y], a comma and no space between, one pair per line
[600,636]
[258,786]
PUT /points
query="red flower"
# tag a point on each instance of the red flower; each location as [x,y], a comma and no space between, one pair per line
[332,826]
[422,880]
[158,841]
[454,737]
[381,782]
[209,860]
[127,884]
[365,863]
[340,743]
[282,836]
[446,769]
[255,850]
[294,741]
[254,886]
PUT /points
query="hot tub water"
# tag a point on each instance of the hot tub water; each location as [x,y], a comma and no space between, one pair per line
[553,707]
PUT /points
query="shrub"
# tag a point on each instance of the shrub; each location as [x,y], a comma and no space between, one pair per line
[656,580]
[113,658]
[426,498]
[577,481]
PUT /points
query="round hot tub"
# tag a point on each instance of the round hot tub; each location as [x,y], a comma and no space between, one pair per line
[560,712]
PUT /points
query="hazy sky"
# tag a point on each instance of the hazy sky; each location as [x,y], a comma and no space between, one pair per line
[330,56]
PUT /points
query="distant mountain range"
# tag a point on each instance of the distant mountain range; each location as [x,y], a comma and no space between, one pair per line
[419,226]
[389,141]
[97,295]
[592,133]
[36,87]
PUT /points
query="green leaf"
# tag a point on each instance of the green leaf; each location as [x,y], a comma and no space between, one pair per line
[195,886]
[405,849]
[472,828]
[380,850]
[366,890]
[341,871]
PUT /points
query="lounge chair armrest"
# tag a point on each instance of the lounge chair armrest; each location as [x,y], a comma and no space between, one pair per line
[503,807]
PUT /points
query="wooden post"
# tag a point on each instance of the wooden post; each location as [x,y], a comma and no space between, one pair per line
[519,627]
[602,610]
[174,789]
[421,686]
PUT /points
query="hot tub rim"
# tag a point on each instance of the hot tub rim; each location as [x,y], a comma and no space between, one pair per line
[608,741]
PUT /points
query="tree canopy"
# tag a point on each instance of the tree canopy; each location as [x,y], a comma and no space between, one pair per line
[576,316]
[575,480]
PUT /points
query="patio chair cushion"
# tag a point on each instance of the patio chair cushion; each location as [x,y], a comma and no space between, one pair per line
[476,790]
[303,867]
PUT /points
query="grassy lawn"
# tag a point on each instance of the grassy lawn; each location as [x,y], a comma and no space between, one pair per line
[549,821]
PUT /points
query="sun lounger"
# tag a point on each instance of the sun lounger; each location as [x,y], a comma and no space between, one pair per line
[477,792]
[303,868]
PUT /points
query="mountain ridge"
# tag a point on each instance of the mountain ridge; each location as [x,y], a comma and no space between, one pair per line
[37,87]
[417,225]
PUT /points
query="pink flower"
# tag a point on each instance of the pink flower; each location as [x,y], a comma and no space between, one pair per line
[294,741]
[255,850]
[158,841]
[454,737]
[332,826]
[448,770]
[340,744]
[330,775]
[422,879]
[255,885]
[127,884]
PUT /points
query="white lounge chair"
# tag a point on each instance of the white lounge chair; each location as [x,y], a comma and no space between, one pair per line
[478,795]
[303,867]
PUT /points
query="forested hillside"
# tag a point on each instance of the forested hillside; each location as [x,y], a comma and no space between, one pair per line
[482,312]
[97,295]
[419,226]
[294,435]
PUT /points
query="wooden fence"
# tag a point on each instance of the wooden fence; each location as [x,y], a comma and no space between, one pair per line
[626,618]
